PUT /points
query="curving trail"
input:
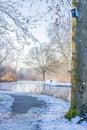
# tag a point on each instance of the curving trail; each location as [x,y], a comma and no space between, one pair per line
[22,103]
[38,112]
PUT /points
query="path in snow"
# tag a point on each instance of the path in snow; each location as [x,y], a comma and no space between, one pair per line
[22,103]
[42,117]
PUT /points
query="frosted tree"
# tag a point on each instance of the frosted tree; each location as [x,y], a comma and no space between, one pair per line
[15,24]
[42,60]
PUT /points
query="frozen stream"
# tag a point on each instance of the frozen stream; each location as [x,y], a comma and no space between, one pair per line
[54,89]
[23,103]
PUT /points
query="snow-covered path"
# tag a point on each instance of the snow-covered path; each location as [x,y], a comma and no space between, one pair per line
[22,103]
[48,117]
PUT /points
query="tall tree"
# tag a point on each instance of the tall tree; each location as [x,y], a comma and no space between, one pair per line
[79,60]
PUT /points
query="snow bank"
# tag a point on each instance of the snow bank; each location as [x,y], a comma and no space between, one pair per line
[60,90]
[5,103]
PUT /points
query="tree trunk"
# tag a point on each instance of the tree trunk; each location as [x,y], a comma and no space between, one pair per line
[43,76]
[79,61]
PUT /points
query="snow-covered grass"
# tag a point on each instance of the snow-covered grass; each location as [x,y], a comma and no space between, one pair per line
[48,117]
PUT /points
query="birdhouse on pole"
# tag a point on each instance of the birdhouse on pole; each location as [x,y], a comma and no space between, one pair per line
[75,13]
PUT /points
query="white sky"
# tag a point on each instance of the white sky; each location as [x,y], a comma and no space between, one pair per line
[40,33]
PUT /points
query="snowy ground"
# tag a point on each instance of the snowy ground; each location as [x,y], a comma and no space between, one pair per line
[5,104]
[49,117]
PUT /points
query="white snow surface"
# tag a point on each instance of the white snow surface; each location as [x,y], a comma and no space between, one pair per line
[49,117]
[5,103]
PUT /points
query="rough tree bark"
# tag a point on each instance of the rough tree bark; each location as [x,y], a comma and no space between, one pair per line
[79,61]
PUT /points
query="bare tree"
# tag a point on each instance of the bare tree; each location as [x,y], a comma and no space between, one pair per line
[17,20]
[14,17]
[42,60]
[14,27]
[60,42]
[3,52]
